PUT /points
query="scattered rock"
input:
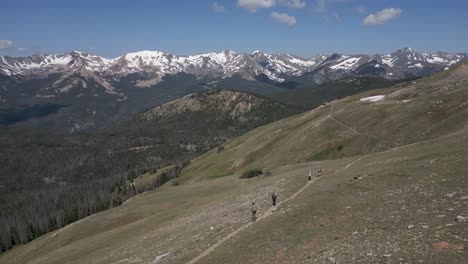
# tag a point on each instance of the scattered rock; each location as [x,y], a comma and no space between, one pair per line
[460,218]
[450,195]
[441,232]
[160,257]
[445,246]
[464,197]
[387,255]
[410,226]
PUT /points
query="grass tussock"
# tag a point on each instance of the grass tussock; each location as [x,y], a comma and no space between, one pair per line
[251,173]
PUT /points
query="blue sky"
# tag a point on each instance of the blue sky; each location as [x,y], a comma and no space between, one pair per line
[303,27]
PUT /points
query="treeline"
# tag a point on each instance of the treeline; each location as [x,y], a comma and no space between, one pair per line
[167,175]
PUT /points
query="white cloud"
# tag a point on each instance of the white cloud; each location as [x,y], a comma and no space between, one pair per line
[5,44]
[253,5]
[284,18]
[360,9]
[21,49]
[381,17]
[217,7]
[297,4]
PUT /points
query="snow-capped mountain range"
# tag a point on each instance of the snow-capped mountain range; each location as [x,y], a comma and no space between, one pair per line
[277,67]
[94,90]
[77,74]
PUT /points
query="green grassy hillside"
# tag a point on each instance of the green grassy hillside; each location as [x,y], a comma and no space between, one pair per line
[422,110]
[394,184]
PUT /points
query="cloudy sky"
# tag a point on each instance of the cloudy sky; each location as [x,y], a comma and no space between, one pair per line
[304,27]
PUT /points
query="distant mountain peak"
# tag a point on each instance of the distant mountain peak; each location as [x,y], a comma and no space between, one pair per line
[407,49]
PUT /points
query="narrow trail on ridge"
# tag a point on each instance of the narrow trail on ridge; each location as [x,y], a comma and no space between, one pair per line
[268,213]
[352,129]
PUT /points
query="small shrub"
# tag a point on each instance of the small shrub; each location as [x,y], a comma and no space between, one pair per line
[340,147]
[175,183]
[251,173]
[220,148]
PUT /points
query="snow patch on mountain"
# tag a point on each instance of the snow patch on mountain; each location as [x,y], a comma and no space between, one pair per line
[417,65]
[272,77]
[346,63]
[374,98]
[388,60]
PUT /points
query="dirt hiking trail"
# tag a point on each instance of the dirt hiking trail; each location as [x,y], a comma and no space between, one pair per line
[268,213]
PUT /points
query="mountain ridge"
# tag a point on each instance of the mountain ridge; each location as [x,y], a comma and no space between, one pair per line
[217,64]
[230,106]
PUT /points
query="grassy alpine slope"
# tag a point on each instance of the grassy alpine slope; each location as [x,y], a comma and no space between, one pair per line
[394,183]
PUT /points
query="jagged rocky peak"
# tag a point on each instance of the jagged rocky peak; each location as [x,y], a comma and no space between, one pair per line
[408,54]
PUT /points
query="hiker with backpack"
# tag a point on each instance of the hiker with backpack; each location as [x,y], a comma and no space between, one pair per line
[273,197]
[310,175]
[254,212]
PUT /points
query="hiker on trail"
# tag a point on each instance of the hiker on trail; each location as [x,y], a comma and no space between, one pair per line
[273,197]
[310,175]
[254,212]
[319,172]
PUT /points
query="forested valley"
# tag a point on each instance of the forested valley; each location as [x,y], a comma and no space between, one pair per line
[50,178]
